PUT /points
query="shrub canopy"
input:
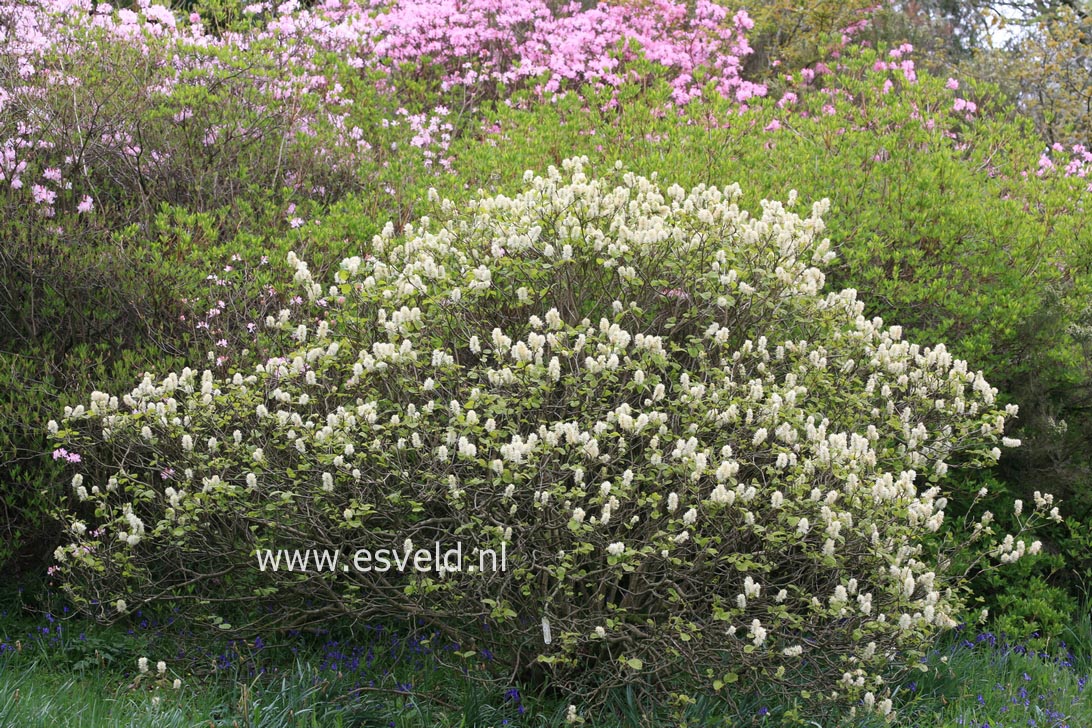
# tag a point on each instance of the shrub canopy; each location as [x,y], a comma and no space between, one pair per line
[693,456]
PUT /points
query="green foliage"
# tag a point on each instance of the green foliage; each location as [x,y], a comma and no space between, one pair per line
[968,675]
[1035,610]
[792,35]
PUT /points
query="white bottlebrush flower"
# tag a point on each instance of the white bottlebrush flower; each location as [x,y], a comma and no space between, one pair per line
[177,685]
[578,515]
[161,667]
[690,517]
[142,664]
[758,633]
[616,548]
[521,352]
[554,369]
[672,502]
[121,606]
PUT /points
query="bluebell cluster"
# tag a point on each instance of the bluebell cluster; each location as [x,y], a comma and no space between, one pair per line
[1021,703]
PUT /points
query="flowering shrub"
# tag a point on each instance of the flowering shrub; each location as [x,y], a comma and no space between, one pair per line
[694,457]
[949,216]
[501,41]
[128,110]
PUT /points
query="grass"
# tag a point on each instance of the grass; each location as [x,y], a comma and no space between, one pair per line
[57,670]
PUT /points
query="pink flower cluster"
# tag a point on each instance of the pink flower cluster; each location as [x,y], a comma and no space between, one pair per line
[62,454]
[509,41]
[1076,161]
[468,46]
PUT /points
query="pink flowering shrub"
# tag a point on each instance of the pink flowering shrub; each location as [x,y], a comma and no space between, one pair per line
[108,119]
[508,42]
[478,44]
[137,104]
[124,111]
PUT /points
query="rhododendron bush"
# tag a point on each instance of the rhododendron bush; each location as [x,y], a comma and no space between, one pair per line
[698,461]
[168,108]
